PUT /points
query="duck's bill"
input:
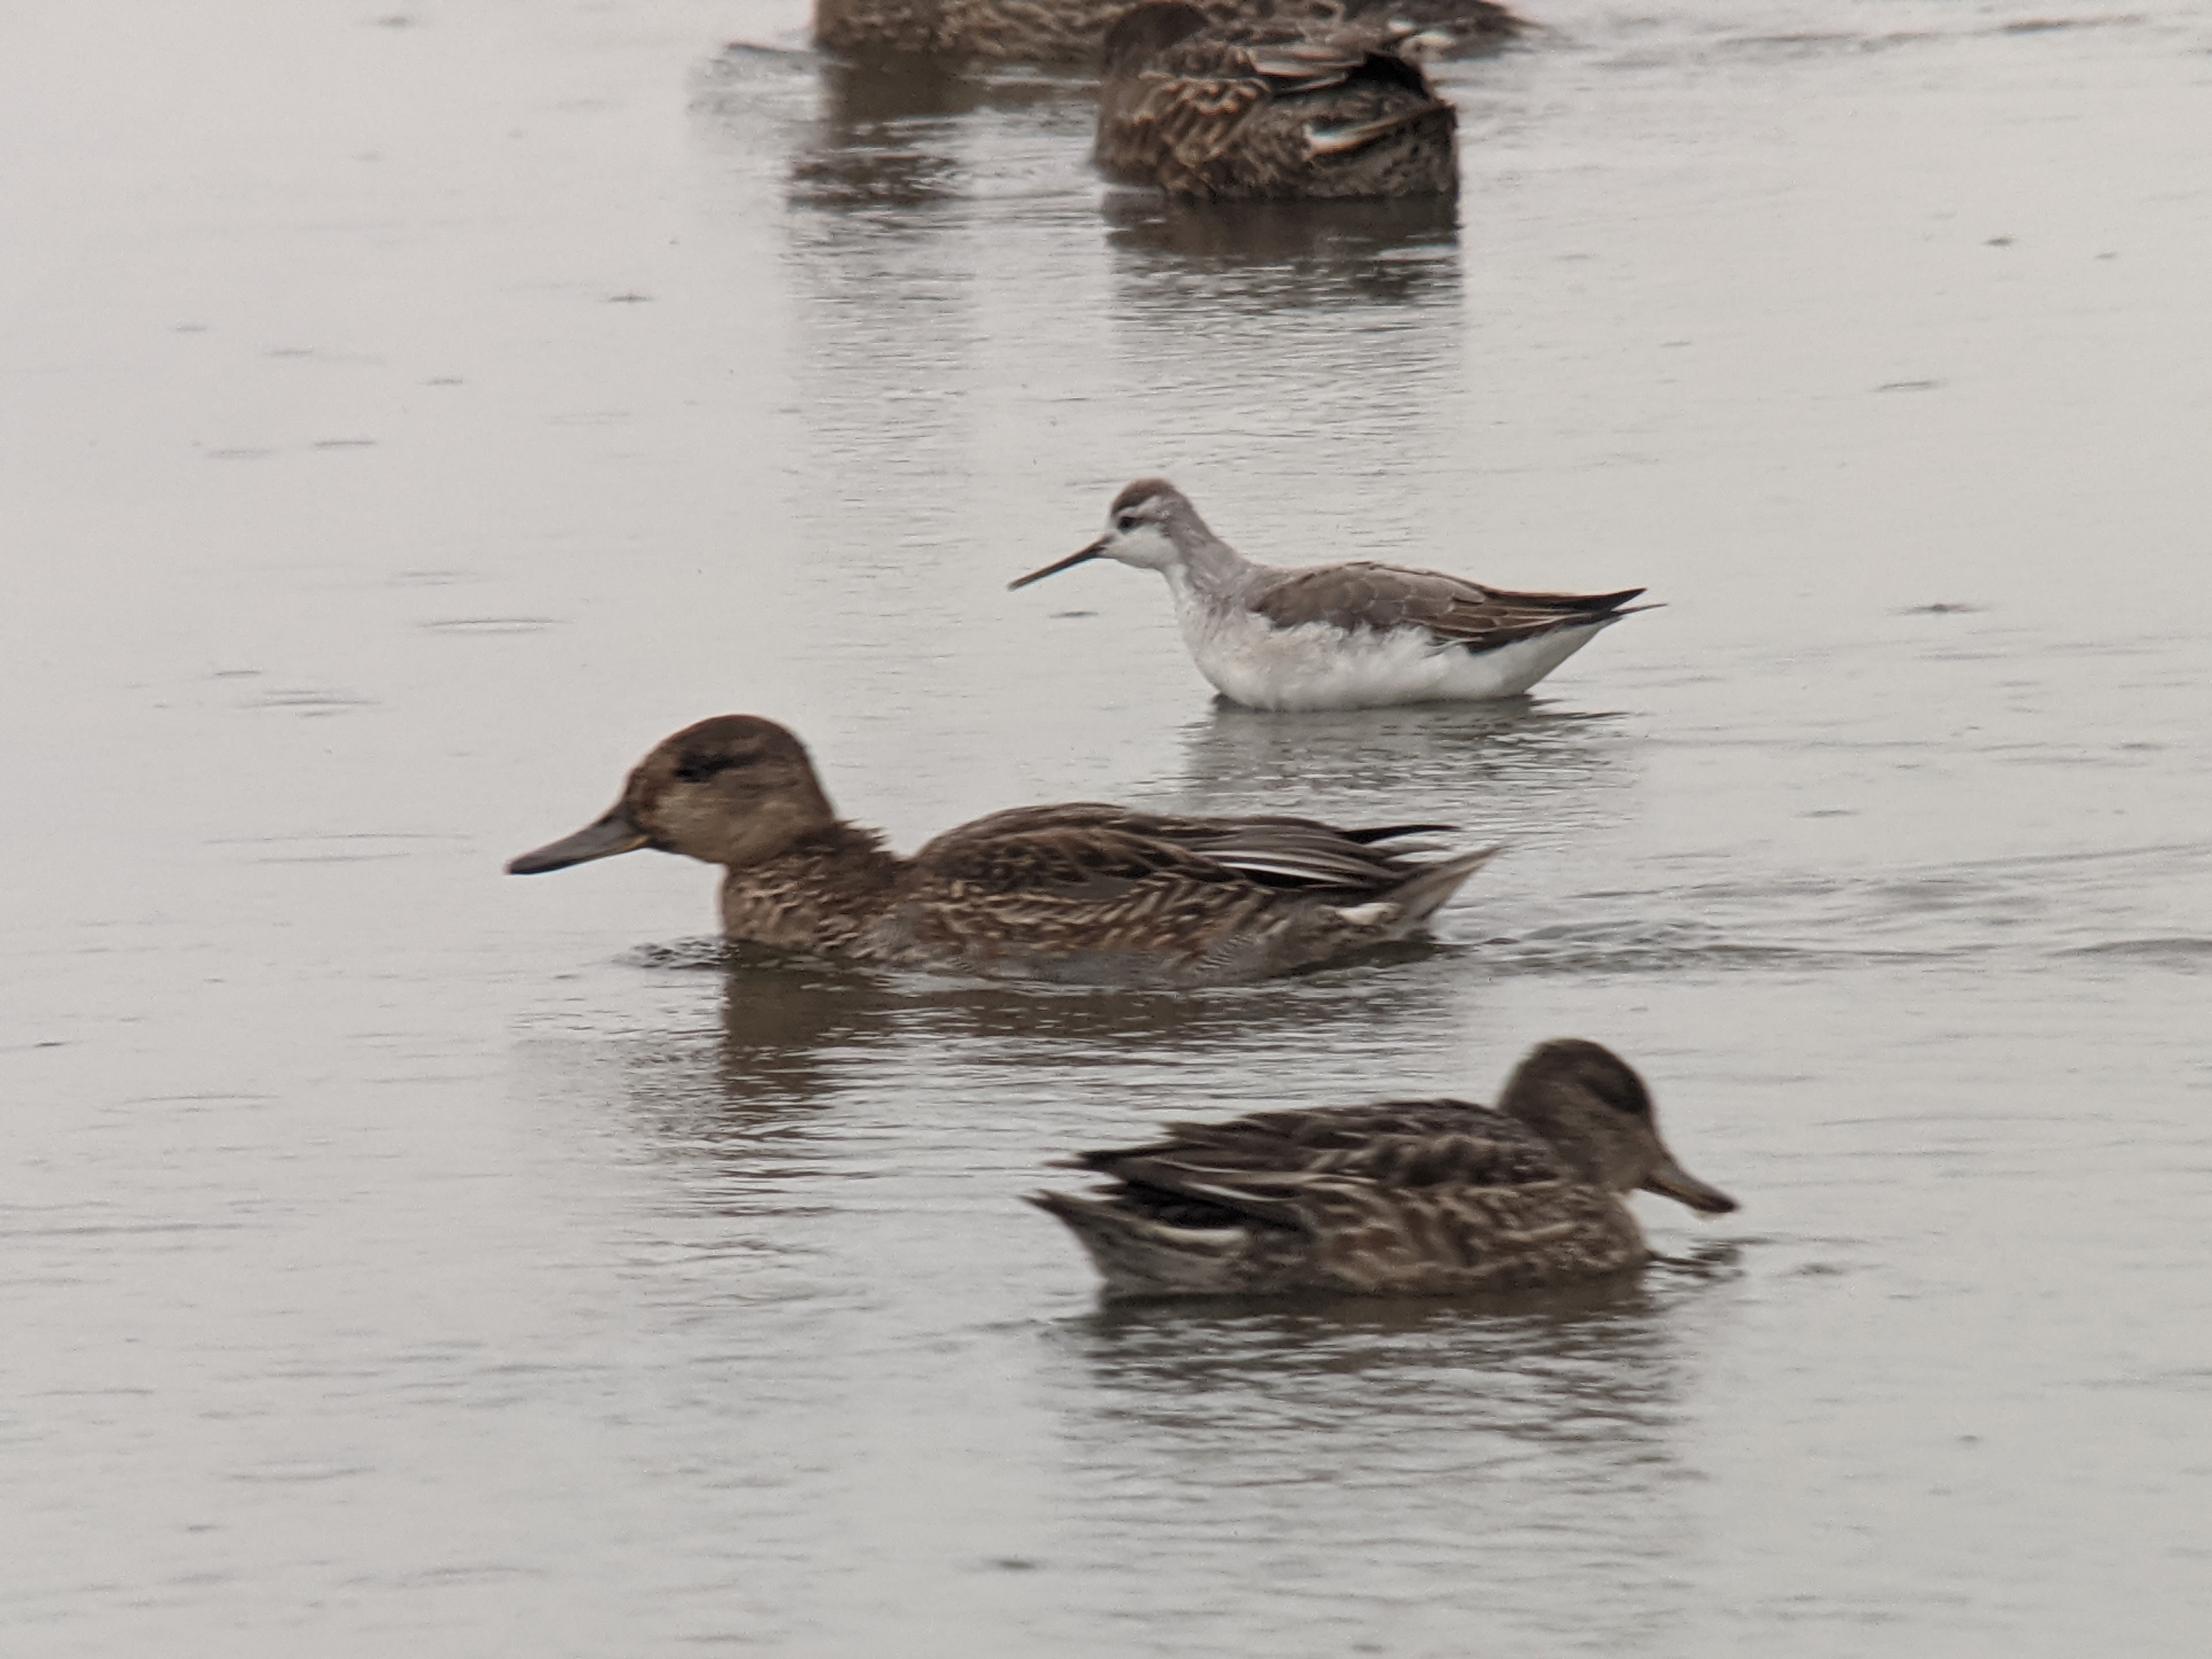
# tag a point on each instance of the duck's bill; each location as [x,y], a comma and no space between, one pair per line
[1068,563]
[611,835]
[1671,1180]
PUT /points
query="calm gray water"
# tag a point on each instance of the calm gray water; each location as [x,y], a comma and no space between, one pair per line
[408,420]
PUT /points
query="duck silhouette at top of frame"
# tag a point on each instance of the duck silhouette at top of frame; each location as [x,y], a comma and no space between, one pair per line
[1074,31]
[1080,892]
[1240,114]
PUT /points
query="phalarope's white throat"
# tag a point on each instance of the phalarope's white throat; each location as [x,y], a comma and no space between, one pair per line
[1359,635]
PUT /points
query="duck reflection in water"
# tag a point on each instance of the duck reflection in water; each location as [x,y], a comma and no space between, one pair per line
[1425,1468]
[1286,256]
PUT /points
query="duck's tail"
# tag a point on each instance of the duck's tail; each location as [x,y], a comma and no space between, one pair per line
[1138,1256]
[1418,897]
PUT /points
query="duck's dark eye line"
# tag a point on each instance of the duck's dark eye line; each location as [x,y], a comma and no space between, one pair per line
[700,768]
[1126,523]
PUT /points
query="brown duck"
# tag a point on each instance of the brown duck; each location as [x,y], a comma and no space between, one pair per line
[1246,115]
[1074,31]
[1421,1197]
[1080,892]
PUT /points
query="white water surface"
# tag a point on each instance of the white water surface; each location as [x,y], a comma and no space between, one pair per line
[413,411]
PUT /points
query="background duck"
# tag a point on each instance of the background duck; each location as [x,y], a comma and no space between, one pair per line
[1074,31]
[1079,891]
[1236,113]
[1424,1197]
[1352,636]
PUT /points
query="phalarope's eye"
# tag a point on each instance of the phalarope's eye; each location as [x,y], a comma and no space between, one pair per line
[1126,523]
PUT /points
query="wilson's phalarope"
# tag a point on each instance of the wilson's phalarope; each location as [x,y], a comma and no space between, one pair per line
[1340,635]
[1210,114]
[1080,891]
[1073,31]
[1421,1197]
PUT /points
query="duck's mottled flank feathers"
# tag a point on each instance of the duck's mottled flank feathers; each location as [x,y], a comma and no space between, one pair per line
[1383,597]
[1074,31]
[1239,111]
[822,894]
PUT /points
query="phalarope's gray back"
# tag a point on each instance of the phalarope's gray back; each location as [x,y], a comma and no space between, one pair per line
[1239,113]
[1414,1197]
[1359,635]
[1079,891]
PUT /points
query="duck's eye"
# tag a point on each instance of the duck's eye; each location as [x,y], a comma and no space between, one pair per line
[1126,523]
[698,768]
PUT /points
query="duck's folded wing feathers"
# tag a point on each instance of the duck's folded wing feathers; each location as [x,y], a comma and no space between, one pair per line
[1082,843]
[1268,1165]
[1384,597]
[1079,850]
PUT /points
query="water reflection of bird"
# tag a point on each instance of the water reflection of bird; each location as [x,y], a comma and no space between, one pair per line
[1354,635]
[1432,1197]
[1535,770]
[1080,892]
[1240,114]
[1296,255]
[1073,31]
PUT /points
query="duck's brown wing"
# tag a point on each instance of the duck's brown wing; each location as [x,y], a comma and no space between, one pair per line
[1079,851]
[1092,846]
[1274,1166]
[1191,98]
[1384,597]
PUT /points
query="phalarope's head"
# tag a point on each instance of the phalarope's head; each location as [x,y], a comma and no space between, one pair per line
[732,791]
[1589,1103]
[1150,525]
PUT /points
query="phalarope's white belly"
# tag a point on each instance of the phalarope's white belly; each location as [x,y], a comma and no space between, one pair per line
[1317,666]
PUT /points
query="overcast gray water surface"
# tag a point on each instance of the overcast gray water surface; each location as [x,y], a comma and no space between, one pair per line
[410,418]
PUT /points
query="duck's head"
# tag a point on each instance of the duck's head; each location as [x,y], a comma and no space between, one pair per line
[1142,31]
[1152,526]
[1590,1104]
[732,791]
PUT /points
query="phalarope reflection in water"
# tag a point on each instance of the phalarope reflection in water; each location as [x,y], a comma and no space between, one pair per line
[1417,1197]
[1080,892]
[1357,635]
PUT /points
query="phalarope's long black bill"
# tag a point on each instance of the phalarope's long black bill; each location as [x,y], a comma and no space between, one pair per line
[1093,551]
